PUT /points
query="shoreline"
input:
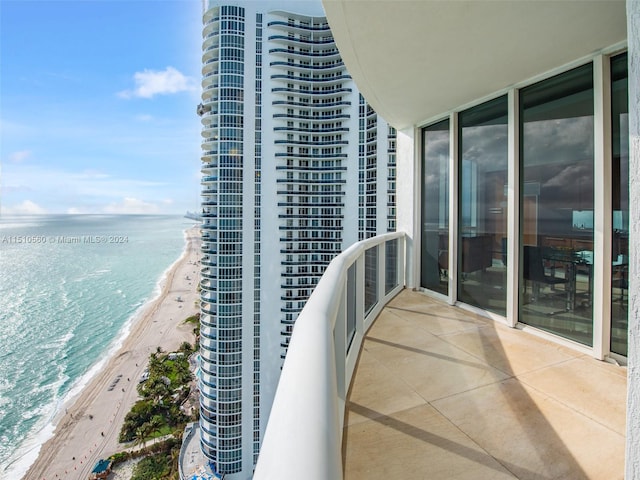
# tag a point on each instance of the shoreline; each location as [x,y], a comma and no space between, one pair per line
[87,425]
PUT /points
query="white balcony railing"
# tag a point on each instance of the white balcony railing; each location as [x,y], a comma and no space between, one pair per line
[303,438]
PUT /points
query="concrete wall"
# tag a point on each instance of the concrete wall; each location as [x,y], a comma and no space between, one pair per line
[406,191]
[633,392]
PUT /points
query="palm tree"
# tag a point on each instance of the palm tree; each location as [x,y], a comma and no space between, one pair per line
[175,458]
[155,423]
[142,432]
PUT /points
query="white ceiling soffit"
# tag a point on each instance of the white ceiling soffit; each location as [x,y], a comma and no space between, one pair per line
[413,60]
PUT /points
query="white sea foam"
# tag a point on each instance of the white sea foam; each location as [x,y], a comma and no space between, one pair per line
[22,459]
[57,343]
[17,462]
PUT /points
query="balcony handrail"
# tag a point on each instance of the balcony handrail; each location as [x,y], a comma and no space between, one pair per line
[303,437]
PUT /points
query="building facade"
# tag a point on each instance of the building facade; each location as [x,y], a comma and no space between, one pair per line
[296,166]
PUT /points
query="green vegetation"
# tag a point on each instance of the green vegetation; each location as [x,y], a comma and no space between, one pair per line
[160,461]
[165,386]
[158,412]
[195,319]
[154,467]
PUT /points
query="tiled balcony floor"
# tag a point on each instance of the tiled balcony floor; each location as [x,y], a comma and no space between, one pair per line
[441,393]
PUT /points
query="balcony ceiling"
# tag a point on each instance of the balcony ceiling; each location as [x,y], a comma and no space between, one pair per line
[414,60]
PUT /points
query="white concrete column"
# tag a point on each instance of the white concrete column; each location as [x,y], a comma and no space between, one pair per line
[408,201]
[632,467]
[513,211]
[602,207]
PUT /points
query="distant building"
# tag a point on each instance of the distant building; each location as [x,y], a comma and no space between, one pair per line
[296,167]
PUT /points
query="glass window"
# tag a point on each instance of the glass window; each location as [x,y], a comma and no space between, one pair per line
[435,208]
[483,206]
[620,203]
[556,202]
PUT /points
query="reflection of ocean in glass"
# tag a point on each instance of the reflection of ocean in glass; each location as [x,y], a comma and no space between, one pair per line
[582,219]
[65,295]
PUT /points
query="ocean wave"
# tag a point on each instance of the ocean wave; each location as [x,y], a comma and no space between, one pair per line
[61,389]
[19,462]
[35,412]
[57,343]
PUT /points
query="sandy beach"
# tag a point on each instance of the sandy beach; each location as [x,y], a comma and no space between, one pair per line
[88,429]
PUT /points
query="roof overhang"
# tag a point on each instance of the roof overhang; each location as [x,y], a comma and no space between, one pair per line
[414,60]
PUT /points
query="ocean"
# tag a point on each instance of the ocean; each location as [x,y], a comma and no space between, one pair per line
[70,286]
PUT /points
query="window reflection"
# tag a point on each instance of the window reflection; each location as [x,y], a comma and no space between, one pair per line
[435,208]
[483,206]
[620,203]
[557,204]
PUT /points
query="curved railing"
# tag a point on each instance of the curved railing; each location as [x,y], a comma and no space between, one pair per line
[188,433]
[303,438]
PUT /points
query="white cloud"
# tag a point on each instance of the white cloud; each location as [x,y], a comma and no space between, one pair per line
[27,207]
[152,82]
[89,191]
[19,157]
[143,117]
[130,205]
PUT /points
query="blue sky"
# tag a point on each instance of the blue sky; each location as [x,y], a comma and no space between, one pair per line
[97,106]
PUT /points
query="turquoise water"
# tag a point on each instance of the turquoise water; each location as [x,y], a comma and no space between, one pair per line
[69,287]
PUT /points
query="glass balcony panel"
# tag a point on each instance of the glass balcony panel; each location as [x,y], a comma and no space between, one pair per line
[391,266]
[370,279]
[351,304]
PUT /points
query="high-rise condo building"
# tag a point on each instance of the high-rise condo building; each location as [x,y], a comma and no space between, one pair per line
[295,167]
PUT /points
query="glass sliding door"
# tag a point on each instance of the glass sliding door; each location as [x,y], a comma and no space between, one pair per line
[556,202]
[482,197]
[434,270]
[620,203]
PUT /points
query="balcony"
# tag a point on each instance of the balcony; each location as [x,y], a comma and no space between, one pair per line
[445,393]
[405,386]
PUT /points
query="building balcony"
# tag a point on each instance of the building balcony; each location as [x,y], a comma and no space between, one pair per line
[208,321]
[308,118]
[319,129]
[209,308]
[209,332]
[210,130]
[209,142]
[324,27]
[314,143]
[321,93]
[335,66]
[211,273]
[303,41]
[297,78]
[406,386]
[288,53]
[443,393]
